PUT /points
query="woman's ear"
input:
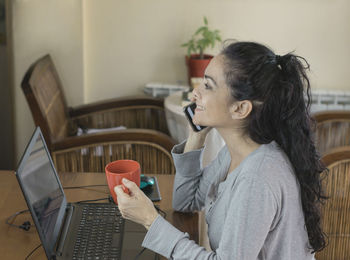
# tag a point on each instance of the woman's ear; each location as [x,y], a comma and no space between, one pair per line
[241,109]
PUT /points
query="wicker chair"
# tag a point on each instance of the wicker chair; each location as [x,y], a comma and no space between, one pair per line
[336,211]
[89,153]
[333,129]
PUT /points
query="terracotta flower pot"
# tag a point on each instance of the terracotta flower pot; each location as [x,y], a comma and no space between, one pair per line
[196,66]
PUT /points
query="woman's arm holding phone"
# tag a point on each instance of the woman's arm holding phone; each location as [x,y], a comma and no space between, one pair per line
[192,181]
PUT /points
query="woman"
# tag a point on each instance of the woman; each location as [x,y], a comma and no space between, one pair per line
[261,194]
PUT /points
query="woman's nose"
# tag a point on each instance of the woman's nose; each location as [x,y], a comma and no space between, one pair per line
[195,94]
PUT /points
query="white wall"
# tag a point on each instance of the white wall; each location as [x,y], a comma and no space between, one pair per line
[40,27]
[130,43]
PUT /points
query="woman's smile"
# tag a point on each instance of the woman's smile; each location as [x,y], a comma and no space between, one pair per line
[199,108]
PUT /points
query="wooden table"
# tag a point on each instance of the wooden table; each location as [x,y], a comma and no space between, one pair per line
[16,243]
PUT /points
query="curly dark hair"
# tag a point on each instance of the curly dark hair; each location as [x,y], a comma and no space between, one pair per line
[280,92]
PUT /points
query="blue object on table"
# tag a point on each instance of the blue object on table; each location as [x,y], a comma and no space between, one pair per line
[146,181]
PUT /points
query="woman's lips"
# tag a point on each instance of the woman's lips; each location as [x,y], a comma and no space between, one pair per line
[199,108]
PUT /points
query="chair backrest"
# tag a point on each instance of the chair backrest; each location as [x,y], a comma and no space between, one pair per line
[333,129]
[336,211]
[130,111]
[43,90]
[92,152]
[153,158]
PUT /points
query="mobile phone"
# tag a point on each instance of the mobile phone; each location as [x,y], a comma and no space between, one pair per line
[189,112]
[152,191]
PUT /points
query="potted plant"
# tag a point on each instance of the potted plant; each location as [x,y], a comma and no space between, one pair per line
[196,59]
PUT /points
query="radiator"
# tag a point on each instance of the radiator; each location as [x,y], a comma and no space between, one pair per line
[330,100]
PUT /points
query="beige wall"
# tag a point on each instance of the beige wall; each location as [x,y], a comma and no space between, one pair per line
[116,46]
[130,43]
[40,27]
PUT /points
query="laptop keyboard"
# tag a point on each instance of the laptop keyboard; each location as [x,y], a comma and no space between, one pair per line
[100,233]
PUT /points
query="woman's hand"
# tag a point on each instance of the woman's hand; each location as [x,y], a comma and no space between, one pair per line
[196,140]
[202,133]
[135,206]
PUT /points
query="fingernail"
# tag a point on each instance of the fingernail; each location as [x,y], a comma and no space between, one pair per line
[125,180]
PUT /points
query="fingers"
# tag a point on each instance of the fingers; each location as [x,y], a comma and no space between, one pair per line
[119,190]
[120,193]
[130,185]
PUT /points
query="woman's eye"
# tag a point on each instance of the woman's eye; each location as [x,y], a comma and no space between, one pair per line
[207,86]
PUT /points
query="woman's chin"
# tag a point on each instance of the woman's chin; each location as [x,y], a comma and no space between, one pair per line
[195,122]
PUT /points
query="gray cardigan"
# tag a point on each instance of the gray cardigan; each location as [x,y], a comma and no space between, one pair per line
[253,214]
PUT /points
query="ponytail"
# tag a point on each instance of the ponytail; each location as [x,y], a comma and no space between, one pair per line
[295,137]
[281,86]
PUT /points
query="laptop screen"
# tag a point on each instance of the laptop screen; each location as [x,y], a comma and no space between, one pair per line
[42,191]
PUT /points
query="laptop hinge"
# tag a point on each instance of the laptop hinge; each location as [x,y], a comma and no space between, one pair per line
[67,221]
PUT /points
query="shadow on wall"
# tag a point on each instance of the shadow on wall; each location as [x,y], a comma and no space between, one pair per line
[6,118]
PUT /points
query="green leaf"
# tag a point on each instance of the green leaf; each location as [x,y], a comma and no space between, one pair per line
[205,20]
[199,30]
[207,35]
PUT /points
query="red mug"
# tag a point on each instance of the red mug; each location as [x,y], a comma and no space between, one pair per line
[117,170]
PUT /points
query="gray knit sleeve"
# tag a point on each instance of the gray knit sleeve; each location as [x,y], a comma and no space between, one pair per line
[191,181]
[248,220]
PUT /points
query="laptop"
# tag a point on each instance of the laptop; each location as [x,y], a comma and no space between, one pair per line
[73,230]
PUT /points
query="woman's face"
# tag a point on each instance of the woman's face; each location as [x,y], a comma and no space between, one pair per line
[213,97]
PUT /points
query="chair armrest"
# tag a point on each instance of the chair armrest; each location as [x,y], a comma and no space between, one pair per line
[115,103]
[145,135]
[331,115]
[336,154]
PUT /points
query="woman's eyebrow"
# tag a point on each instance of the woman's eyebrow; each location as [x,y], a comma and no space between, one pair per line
[208,77]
